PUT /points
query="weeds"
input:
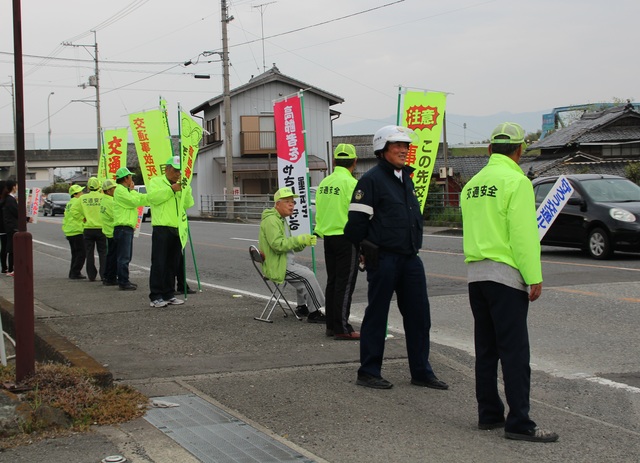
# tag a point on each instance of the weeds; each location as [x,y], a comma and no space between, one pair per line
[73,392]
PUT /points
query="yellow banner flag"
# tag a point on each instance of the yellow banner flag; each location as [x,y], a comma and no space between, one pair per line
[114,153]
[423,113]
[190,136]
[152,140]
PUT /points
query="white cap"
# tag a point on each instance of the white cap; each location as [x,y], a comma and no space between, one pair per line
[393,133]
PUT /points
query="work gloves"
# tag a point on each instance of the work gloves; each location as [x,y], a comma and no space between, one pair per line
[307,240]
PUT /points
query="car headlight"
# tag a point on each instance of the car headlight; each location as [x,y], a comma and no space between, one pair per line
[622,215]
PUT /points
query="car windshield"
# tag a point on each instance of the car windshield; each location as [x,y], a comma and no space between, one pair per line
[59,197]
[611,190]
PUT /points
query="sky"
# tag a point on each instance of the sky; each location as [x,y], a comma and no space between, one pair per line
[491,57]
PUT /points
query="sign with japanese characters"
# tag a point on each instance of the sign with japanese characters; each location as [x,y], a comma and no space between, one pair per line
[152,140]
[114,153]
[424,114]
[190,136]
[34,198]
[292,159]
[552,204]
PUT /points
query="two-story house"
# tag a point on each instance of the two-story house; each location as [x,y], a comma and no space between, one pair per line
[253,138]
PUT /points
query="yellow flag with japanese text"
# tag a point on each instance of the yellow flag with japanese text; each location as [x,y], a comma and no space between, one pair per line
[190,136]
[423,112]
[114,153]
[152,140]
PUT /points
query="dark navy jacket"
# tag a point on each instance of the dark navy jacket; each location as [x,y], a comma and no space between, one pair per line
[386,211]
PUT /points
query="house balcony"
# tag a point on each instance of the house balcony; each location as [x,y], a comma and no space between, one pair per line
[257,143]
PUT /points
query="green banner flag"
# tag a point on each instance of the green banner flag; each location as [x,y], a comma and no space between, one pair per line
[152,140]
[424,114]
[114,153]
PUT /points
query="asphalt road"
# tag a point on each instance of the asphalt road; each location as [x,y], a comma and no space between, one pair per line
[585,323]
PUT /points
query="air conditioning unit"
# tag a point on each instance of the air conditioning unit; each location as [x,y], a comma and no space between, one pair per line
[443,172]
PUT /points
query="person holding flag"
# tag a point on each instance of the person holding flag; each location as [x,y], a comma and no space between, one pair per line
[169,199]
[502,252]
[125,216]
[386,222]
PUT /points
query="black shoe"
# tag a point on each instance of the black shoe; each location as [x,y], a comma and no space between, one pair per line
[492,425]
[433,383]
[317,317]
[110,282]
[533,435]
[129,287]
[373,382]
[78,277]
[329,333]
[302,311]
[181,291]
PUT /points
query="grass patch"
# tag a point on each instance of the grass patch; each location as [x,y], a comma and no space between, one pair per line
[68,395]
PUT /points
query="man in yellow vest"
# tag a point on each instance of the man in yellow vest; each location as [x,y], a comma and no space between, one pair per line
[502,253]
[165,196]
[72,227]
[341,256]
[125,217]
[93,236]
[106,212]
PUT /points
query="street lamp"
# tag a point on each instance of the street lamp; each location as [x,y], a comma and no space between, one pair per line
[49,119]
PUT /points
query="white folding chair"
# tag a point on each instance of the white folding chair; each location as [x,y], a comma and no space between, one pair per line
[257,258]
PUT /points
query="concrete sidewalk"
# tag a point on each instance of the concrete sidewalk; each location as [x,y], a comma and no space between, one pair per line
[290,382]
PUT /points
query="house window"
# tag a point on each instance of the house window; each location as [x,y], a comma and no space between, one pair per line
[213,127]
[258,135]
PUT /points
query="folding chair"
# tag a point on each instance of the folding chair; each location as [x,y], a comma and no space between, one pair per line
[257,258]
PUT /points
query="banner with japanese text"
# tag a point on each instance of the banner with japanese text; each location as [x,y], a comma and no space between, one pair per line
[190,136]
[152,140]
[423,112]
[552,204]
[114,153]
[292,159]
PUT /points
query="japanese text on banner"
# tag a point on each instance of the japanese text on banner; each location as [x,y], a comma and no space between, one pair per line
[114,153]
[152,140]
[292,160]
[552,204]
[424,114]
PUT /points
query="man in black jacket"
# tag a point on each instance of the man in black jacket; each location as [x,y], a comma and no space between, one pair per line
[385,220]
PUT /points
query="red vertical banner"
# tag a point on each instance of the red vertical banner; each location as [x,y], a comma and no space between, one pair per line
[292,159]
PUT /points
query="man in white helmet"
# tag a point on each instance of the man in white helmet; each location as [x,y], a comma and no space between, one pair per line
[386,222]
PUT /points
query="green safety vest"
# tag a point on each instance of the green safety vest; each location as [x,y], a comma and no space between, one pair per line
[499,218]
[332,202]
[166,205]
[106,211]
[73,221]
[91,209]
[125,206]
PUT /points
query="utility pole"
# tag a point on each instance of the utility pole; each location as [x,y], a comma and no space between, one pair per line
[94,81]
[49,121]
[226,101]
[262,8]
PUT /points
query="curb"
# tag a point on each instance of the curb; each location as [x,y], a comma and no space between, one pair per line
[52,347]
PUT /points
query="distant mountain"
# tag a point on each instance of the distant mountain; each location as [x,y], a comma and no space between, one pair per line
[478,128]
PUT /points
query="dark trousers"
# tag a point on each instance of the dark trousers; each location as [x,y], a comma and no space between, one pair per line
[341,258]
[76,243]
[405,276]
[95,239]
[165,258]
[500,334]
[3,252]
[111,261]
[10,251]
[123,237]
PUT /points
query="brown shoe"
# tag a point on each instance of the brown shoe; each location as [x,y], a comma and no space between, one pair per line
[353,336]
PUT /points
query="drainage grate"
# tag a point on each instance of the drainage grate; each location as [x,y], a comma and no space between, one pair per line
[214,436]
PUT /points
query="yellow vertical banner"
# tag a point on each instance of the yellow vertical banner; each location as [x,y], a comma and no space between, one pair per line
[190,136]
[114,153]
[423,112]
[152,140]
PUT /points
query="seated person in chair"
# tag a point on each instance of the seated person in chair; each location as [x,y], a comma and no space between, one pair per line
[278,246]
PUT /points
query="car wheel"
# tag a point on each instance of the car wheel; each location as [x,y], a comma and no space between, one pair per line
[599,244]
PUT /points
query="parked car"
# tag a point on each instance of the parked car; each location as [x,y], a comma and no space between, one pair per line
[146,214]
[602,215]
[55,203]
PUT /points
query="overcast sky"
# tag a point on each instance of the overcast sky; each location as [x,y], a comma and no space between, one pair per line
[493,56]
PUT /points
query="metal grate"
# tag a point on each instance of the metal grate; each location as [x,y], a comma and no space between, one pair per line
[212,435]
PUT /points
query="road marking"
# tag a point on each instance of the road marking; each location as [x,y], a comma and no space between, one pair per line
[592,294]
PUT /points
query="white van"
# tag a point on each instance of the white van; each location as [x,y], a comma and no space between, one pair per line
[147,210]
